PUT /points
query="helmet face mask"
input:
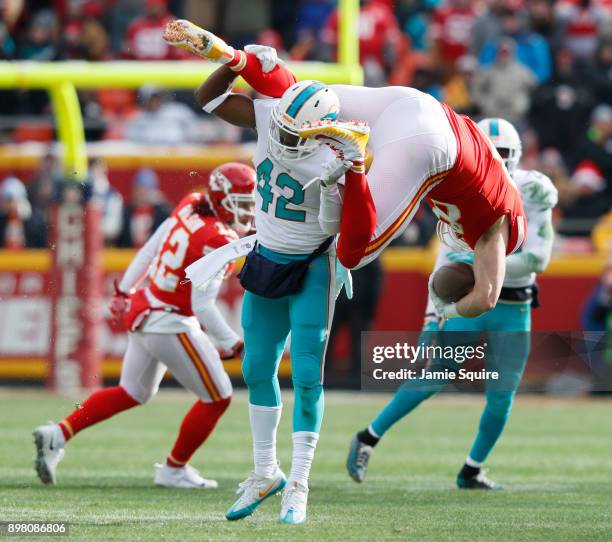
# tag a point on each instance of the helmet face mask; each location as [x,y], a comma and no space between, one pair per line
[242,207]
[305,101]
[284,143]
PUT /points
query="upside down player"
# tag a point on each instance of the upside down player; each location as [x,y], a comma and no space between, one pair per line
[509,323]
[163,317]
[421,150]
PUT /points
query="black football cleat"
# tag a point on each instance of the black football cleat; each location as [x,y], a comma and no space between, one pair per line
[477,481]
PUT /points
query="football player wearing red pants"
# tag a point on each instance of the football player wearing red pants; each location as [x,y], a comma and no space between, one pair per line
[421,150]
[164,316]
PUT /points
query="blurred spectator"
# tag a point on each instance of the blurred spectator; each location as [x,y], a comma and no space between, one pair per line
[145,212]
[110,201]
[42,40]
[161,122]
[597,314]
[598,72]
[144,40]
[543,21]
[488,26]
[503,89]
[311,18]
[414,17]
[456,90]
[378,40]
[7,44]
[561,105]
[582,20]
[532,50]
[20,225]
[42,189]
[93,42]
[590,188]
[451,28]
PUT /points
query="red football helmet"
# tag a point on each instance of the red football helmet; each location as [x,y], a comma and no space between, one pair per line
[230,194]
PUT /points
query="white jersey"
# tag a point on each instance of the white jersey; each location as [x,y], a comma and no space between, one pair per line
[286,215]
[539,196]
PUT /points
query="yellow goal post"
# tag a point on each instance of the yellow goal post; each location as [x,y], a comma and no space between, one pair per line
[61,79]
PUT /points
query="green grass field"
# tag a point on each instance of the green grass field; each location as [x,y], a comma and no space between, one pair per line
[555,459]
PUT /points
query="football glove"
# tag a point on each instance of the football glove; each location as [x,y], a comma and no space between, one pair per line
[445,310]
[120,303]
[267,56]
[234,352]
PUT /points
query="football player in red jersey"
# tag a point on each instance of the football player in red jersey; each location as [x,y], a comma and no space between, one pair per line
[421,150]
[164,316]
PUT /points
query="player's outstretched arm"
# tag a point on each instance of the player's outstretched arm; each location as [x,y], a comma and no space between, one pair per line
[489,271]
[214,96]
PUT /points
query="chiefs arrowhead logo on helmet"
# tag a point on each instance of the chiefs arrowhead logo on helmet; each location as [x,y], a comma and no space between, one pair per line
[230,195]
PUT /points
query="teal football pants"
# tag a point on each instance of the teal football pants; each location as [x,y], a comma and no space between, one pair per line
[267,323]
[507,352]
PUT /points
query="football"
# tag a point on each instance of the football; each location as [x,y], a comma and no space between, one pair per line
[453,281]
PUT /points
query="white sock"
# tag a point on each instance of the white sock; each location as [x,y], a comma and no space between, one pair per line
[58,436]
[304,445]
[472,463]
[264,423]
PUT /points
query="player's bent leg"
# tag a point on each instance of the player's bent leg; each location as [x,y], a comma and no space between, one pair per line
[196,365]
[508,350]
[139,373]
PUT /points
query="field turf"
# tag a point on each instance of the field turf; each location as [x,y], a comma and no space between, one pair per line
[555,459]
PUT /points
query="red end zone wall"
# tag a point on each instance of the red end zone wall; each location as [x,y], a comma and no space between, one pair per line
[25,302]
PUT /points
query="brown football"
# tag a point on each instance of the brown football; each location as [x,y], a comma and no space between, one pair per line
[453,281]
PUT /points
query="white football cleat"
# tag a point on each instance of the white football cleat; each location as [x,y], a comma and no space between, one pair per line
[293,506]
[183,478]
[50,442]
[253,491]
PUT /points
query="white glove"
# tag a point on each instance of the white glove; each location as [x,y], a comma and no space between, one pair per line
[267,56]
[343,279]
[445,310]
[332,171]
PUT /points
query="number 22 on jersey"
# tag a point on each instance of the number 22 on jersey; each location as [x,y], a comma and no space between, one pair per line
[170,258]
[272,193]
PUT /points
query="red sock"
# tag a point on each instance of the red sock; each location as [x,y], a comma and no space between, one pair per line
[99,406]
[197,424]
[357,221]
[271,84]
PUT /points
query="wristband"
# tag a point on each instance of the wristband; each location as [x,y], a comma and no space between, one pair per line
[450,311]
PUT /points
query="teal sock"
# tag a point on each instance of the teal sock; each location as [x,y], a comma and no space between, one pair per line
[403,402]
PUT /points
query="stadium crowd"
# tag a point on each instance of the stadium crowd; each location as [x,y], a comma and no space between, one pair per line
[545,65]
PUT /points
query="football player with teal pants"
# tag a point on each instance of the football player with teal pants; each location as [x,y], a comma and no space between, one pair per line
[298,203]
[509,324]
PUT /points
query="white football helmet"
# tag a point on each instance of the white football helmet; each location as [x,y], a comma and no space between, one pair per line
[305,101]
[505,139]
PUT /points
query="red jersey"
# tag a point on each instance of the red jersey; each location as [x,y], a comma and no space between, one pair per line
[377,27]
[189,237]
[451,28]
[144,40]
[479,187]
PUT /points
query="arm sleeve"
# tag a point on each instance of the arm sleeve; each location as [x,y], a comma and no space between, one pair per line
[330,209]
[535,254]
[143,259]
[203,304]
